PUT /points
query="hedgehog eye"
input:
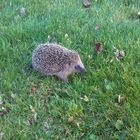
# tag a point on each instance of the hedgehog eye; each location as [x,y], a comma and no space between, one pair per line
[77,67]
[69,63]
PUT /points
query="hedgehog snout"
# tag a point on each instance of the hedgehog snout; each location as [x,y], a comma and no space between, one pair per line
[83,70]
[80,69]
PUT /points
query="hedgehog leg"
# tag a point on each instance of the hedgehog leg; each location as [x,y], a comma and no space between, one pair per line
[65,80]
[62,77]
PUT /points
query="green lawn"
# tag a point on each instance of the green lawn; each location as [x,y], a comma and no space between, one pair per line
[35,107]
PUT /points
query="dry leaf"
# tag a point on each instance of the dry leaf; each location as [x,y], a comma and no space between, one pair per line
[34,89]
[22,11]
[86,3]
[98,27]
[98,47]
[70,119]
[119,124]
[119,54]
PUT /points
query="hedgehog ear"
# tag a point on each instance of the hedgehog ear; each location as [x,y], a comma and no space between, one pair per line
[75,57]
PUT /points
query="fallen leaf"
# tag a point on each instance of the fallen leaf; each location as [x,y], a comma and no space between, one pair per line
[70,119]
[86,99]
[34,89]
[119,124]
[98,27]
[86,3]
[98,47]
[22,11]
[119,54]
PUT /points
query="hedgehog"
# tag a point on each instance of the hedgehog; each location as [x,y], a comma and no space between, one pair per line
[54,59]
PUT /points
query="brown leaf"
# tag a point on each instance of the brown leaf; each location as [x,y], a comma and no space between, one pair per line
[34,89]
[70,119]
[98,47]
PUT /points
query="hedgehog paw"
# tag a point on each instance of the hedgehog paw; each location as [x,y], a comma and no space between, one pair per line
[63,78]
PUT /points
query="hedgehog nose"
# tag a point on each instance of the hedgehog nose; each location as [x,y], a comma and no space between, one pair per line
[83,70]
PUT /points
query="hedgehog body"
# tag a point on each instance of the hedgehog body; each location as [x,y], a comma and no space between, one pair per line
[54,59]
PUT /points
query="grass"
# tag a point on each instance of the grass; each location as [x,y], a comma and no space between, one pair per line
[33,106]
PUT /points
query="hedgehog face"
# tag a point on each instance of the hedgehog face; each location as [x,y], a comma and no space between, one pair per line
[78,66]
[79,69]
